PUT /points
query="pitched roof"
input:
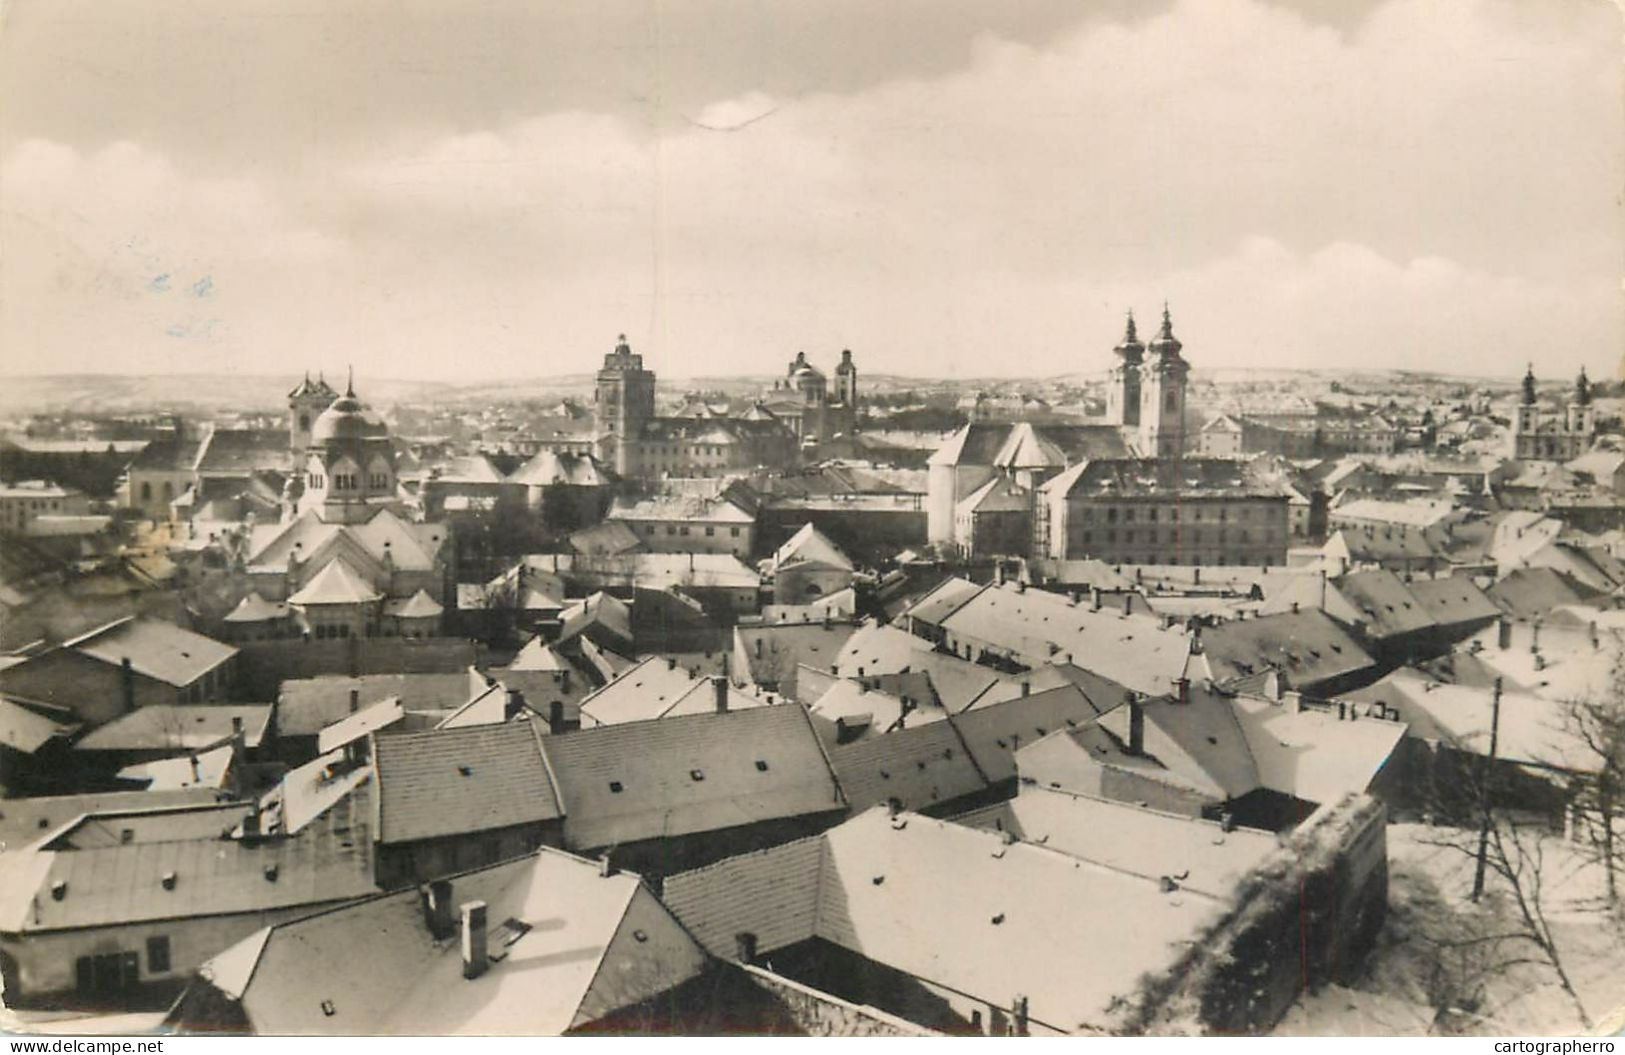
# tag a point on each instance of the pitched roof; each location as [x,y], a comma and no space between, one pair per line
[419,606]
[994,734]
[187,727]
[687,774]
[256,609]
[657,687]
[608,537]
[1532,729]
[1131,838]
[1010,919]
[411,546]
[468,779]
[25,820]
[1529,593]
[1307,646]
[943,600]
[239,451]
[121,884]
[875,648]
[920,766]
[1312,754]
[1037,627]
[784,645]
[810,546]
[305,706]
[27,731]
[573,958]
[536,655]
[336,583]
[364,722]
[156,649]
[1454,600]
[207,769]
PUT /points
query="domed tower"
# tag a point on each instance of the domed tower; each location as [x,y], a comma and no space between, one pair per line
[622,405]
[1582,419]
[846,392]
[1123,388]
[846,380]
[1525,419]
[305,403]
[1162,394]
[808,381]
[350,463]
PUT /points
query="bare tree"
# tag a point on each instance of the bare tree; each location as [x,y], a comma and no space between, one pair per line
[1513,926]
[1597,722]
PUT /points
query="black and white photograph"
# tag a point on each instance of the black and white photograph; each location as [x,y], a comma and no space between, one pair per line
[811,518]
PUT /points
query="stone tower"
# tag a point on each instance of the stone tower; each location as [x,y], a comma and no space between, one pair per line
[622,405]
[1162,394]
[305,404]
[1123,388]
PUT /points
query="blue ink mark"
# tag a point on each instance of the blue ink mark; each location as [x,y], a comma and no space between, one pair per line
[160,284]
[203,287]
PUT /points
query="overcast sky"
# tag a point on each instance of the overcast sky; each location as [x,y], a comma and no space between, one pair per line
[472,189]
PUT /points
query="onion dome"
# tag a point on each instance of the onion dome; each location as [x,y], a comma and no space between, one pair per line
[1165,343]
[1132,348]
[1582,389]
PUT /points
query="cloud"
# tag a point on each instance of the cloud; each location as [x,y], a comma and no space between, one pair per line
[1429,183]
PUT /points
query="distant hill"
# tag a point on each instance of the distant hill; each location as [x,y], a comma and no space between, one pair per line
[204,393]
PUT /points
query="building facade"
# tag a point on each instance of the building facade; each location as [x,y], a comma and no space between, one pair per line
[1547,436]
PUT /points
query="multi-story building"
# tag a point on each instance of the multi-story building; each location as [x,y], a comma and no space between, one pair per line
[1201,512]
[27,501]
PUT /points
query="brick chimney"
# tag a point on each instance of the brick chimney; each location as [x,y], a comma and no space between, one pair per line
[475,956]
[1094,598]
[1136,726]
[355,700]
[745,946]
[719,691]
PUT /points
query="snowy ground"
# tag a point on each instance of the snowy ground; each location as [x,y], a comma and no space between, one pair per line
[1438,948]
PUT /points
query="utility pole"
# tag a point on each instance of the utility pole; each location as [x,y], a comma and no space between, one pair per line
[1484,792]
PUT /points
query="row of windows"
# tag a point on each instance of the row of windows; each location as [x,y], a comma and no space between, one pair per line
[682,529]
[1128,514]
[347,481]
[40,503]
[1194,537]
[117,972]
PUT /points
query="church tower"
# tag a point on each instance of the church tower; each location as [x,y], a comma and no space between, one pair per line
[1525,420]
[1123,386]
[1582,417]
[305,403]
[622,405]
[1162,395]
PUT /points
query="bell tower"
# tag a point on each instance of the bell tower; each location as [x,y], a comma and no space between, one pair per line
[623,404]
[1123,386]
[1162,395]
[305,404]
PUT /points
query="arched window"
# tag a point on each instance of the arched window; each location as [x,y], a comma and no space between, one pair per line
[146,490]
[304,423]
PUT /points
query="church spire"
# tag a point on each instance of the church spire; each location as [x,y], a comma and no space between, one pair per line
[1529,386]
[349,383]
[1132,350]
[1582,389]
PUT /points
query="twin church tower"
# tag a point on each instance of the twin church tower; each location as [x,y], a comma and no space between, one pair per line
[1146,391]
